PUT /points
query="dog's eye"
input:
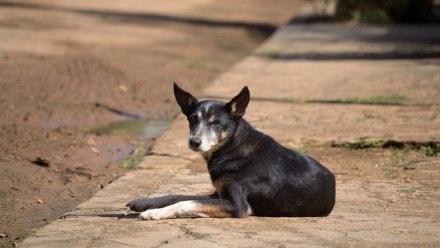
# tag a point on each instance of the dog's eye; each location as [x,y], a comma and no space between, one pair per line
[192,118]
[216,123]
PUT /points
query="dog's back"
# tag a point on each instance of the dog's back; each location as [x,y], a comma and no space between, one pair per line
[275,180]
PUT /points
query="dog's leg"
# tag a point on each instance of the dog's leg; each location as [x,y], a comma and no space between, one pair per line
[143,204]
[214,208]
[237,206]
[241,206]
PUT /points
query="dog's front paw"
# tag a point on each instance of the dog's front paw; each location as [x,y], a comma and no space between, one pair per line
[139,205]
[152,214]
[143,204]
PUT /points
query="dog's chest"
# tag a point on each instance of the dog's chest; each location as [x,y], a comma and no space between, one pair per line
[218,185]
[220,172]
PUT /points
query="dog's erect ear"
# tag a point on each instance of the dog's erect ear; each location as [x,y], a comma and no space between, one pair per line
[185,100]
[237,106]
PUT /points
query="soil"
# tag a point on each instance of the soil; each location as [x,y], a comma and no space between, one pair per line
[66,68]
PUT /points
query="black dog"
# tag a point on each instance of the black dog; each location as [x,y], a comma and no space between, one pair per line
[251,172]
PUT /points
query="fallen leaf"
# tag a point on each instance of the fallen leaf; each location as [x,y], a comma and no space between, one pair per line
[91,142]
[94,149]
[123,88]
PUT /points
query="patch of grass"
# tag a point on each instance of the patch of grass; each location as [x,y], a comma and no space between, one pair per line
[193,63]
[136,157]
[269,53]
[397,161]
[286,100]
[373,100]
[390,171]
[364,144]
[399,158]
[197,63]
[430,148]
[430,151]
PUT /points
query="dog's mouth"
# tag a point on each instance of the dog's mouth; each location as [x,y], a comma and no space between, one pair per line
[196,149]
[199,148]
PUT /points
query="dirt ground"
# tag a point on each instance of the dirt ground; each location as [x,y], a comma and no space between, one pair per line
[68,67]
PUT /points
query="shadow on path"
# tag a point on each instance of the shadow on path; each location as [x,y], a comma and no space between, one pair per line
[120,216]
[335,42]
[393,55]
[144,18]
[109,215]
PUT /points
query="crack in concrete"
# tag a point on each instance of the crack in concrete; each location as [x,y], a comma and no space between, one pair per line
[97,237]
[162,243]
[193,234]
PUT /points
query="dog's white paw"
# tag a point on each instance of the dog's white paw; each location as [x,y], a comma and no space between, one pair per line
[152,214]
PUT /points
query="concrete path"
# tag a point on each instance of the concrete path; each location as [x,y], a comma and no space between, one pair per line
[299,80]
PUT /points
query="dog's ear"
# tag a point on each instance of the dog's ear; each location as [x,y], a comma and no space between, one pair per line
[237,106]
[185,100]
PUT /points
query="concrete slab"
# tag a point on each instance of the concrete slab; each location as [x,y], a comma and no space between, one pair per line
[322,62]
[329,123]
[364,216]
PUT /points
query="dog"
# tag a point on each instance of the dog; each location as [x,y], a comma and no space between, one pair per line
[252,174]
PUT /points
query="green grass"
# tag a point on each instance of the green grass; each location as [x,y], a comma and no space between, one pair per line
[364,144]
[194,63]
[269,53]
[390,171]
[286,100]
[136,157]
[198,64]
[373,100]
[399,158]
[430,149]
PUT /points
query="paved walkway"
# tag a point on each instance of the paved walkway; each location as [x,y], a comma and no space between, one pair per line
[298,80]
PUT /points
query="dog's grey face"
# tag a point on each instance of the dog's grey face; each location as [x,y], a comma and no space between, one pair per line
[210,126]
[211,123]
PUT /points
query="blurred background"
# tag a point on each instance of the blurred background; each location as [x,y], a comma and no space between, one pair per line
[387,11]
[86,86]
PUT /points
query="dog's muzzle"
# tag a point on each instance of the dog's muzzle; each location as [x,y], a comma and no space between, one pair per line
[194,143]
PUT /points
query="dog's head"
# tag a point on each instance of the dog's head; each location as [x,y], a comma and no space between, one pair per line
[211,123]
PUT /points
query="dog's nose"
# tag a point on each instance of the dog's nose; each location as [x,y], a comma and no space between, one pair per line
[194,143]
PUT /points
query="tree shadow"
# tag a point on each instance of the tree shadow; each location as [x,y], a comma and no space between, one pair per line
[401,42]
[148,18]
[354,56]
